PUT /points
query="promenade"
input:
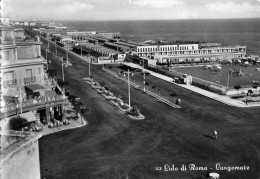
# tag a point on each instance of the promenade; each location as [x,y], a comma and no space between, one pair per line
[221,98]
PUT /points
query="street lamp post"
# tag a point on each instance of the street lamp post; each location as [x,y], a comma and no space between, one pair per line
[56,47]
[128,87]
[62,69]
[227,81]
[103,60]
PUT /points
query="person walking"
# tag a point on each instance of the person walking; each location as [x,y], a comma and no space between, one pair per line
[215,134]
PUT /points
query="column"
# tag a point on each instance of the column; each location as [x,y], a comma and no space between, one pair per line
[63,111]
[47,115]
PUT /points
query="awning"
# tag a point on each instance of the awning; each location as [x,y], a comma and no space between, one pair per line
[34,87]
[50,93]
[29,116]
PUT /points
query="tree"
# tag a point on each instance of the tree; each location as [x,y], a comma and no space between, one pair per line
[52,73]
[249,92]
[134,111]
[237,87]
[17,123]
[173,95]
[62,83]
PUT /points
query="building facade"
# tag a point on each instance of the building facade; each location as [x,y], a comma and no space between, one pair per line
[189,52]
[21,62]
[24,84]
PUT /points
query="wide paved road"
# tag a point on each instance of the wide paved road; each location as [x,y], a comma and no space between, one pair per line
[113,146]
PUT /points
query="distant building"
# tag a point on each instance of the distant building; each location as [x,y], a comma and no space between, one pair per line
[32,23]
[109,35]
[19,34]
[189,53]
[5,21]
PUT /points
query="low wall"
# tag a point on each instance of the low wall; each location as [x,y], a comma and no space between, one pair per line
[23,162]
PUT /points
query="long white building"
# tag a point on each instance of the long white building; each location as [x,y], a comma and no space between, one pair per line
[189,52]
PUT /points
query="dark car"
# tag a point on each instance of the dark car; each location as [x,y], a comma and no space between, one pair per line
[147,73]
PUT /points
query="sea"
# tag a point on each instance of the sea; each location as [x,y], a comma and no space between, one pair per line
[224,31]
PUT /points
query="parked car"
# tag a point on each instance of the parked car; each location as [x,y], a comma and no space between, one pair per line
[147,73]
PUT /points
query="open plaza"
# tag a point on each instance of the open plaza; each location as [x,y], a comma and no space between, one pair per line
[248,75]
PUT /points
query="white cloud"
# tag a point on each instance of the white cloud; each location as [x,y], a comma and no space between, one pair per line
[158,3]
[76,7]
[231,7]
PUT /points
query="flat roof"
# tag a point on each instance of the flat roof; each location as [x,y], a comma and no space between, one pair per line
[34,87]
[29,116]
[116,45]
[136,43]
[126,44]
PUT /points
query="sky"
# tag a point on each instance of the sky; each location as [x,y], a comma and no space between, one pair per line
[129,9]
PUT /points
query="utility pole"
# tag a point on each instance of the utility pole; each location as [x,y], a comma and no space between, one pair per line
[67,56]
[89,65]
[103,60]
[62,70]
[47,57]
[128,89]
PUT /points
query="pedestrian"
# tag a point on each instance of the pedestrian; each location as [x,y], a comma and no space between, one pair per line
[246,101]
[215,134]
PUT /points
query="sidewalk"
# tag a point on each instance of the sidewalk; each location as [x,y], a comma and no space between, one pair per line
[221,98]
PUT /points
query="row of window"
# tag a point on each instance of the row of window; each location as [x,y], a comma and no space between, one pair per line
[201,52]
[10,75]
[173,48]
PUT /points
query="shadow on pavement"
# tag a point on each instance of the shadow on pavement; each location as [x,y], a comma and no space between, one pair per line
[205,135]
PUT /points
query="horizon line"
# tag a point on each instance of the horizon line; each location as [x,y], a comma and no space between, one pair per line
[95,20]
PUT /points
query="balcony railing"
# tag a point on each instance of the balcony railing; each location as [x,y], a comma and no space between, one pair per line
[30,80]
[9,83]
